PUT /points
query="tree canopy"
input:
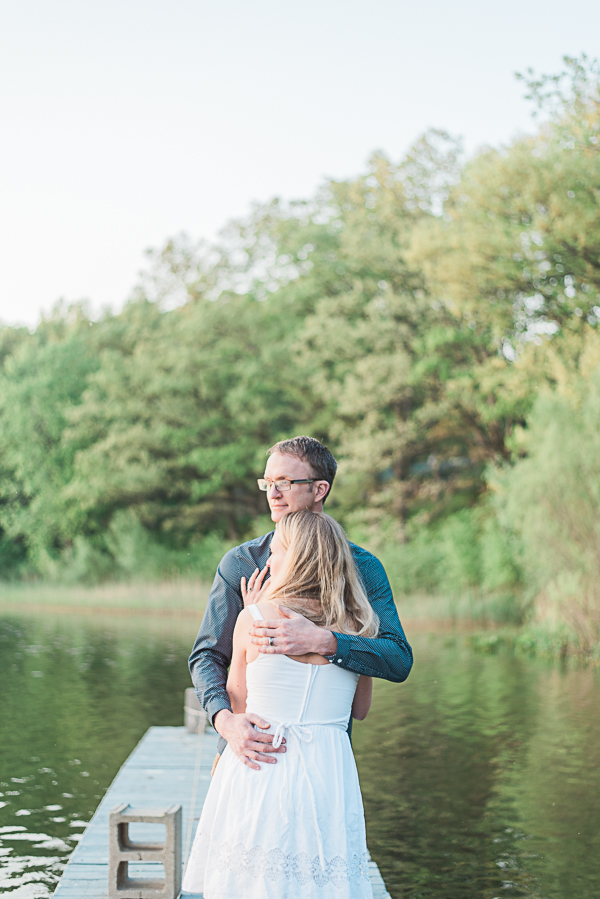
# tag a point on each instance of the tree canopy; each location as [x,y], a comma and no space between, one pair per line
[413,318]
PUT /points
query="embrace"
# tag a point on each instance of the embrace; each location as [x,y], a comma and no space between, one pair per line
[298,622]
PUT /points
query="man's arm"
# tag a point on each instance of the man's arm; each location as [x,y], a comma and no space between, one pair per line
[210,660]
[212,650]
[387,656]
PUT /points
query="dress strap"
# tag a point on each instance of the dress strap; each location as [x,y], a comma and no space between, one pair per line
[256,613]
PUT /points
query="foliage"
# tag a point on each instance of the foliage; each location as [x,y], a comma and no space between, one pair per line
[41,379]
[432,320]
[382,355]
[551,498]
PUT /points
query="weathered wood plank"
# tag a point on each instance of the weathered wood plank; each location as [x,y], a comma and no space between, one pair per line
[160,771]
[379,890]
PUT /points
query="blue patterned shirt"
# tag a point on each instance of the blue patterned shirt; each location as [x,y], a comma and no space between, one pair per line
[388,656]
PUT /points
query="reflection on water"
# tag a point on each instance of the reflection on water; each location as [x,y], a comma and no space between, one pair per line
[481,777]
[75,698]
[480,774]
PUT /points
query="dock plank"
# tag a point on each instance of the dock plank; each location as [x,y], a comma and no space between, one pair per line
[159,772]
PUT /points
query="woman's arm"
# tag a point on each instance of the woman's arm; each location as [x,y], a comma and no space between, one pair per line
[362,697]
[236,679]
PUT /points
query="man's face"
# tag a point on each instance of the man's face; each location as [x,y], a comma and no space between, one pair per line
[300,496]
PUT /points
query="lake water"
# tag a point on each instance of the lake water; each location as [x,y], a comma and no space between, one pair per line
[480,775]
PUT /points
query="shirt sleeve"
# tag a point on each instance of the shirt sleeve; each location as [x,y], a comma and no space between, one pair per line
[211,654]
[388,655]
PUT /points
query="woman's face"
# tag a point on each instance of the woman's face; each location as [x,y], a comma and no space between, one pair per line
[277,556]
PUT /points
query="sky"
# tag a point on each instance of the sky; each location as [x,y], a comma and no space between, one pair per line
[126,122]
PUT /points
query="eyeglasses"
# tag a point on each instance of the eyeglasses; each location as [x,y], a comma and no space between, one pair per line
[283,485]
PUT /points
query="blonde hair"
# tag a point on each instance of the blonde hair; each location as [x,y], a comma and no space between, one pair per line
[319,577]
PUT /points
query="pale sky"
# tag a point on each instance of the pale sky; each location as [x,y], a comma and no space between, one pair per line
[125,122]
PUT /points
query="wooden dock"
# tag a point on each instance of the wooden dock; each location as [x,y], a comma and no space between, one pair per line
[169,765]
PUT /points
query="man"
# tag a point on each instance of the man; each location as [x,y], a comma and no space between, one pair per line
[299,475]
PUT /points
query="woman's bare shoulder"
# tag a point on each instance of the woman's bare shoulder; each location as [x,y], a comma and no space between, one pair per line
[243,623]
[246,619]
[243,616]
[269,611]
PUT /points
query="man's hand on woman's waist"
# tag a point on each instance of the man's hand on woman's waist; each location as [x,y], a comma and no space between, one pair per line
[244,740]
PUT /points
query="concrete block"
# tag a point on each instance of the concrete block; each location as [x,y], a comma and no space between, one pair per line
[122,851]
[194,715]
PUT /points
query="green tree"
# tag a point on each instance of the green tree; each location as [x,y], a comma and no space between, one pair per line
[43,376]
[551,499]
[387,354]
[176,428]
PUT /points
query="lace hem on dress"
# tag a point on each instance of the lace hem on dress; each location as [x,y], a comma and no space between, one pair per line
[274,864]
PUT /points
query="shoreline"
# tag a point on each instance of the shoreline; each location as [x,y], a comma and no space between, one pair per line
[411,624]
[99,611]
[180,604]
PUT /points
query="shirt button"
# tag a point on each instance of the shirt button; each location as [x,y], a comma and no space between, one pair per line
[339,661]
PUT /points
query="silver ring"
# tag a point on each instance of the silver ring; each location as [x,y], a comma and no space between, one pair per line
[270,641]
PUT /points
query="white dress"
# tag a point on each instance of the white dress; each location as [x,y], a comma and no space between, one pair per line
[294,830]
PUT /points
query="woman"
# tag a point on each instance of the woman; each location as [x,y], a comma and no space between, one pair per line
[295,829]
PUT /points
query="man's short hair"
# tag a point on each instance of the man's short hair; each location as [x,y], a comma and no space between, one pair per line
[320,459]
